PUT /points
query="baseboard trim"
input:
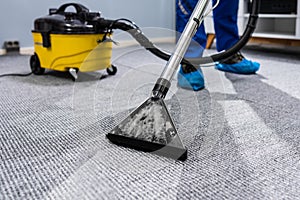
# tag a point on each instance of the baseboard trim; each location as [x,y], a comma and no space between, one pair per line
[23,51]
[2,51]
[26,50]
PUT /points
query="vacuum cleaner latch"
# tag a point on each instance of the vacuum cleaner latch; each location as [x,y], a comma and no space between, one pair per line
[52,11]
[46,39]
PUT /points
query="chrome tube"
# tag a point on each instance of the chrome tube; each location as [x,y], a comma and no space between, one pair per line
[185,40]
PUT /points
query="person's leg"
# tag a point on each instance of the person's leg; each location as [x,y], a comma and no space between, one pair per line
[188,76]
[184,9]
[226,29]
[225,23]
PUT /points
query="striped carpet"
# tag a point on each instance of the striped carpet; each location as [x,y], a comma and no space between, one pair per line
[242,133]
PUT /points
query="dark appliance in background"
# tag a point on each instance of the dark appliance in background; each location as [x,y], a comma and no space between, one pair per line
[276,6]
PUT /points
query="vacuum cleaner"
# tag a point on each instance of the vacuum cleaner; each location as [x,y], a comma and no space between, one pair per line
[79,41]
[149,127]
[63,40]
[70,41]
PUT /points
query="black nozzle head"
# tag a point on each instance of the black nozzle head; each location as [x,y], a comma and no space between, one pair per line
[150,128]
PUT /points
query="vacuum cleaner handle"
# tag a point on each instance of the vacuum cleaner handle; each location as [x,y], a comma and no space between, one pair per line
[163,83]
[79,8]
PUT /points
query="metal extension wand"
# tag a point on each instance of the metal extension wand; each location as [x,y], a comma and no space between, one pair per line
[150,127]
[163,83]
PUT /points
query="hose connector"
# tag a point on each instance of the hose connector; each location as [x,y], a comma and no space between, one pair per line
[161,88]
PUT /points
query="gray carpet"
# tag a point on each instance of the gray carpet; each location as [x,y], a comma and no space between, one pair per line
[242,132]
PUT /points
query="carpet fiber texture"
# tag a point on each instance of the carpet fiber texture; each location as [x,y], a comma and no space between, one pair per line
[241,132]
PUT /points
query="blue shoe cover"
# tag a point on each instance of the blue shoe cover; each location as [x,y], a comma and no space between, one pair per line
[243,67]
[193,80]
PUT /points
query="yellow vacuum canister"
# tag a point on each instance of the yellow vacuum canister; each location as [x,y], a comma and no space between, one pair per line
[70,41]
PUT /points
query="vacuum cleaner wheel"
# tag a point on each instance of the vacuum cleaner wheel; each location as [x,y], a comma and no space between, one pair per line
[35,65]
[112,70]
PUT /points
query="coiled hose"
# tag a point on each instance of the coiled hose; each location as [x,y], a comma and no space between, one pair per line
[138,35]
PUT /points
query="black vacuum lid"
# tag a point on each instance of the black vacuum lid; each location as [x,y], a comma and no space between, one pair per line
[60,21]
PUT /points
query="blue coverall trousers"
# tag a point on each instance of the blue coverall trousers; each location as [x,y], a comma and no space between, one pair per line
[225,25]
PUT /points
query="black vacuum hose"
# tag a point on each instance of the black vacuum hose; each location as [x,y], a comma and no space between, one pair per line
[251,25]
[138,35]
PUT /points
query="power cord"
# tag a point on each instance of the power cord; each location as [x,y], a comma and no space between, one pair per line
[3,75]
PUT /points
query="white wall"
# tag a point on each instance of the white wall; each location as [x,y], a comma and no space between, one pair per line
[17,16]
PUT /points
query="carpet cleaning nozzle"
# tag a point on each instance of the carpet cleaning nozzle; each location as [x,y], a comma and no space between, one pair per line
[150,127]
